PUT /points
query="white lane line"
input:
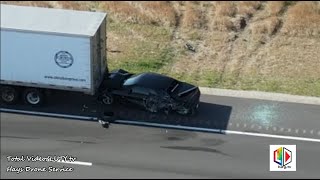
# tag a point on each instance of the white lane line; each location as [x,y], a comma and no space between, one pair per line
[218,130]
[272,136]
[173,126]
[48,114]
[76,162]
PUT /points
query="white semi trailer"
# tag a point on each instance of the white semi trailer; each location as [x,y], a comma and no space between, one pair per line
[45,49]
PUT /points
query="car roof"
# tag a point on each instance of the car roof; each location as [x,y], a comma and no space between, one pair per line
[150,80]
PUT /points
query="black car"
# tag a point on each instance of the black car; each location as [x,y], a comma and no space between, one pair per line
[155,92]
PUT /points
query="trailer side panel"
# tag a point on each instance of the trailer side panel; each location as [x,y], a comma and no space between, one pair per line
[58,62]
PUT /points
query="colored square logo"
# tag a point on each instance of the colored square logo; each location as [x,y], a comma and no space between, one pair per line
[283,158]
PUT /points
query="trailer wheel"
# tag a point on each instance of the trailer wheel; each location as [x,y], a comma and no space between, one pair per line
[9,95]
[33,96]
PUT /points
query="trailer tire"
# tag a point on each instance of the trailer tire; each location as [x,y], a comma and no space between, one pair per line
[33,96]
[9,95]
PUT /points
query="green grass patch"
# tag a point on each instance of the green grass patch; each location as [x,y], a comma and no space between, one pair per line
[146,48]
[145,62]
[305,87]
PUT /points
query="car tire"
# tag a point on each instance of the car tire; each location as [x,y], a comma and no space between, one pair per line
[107,99]
[183,111]
[189,112]
[151,105]
[193,111]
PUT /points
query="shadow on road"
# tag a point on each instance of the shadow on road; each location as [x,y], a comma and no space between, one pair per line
[212,116]
[191,148]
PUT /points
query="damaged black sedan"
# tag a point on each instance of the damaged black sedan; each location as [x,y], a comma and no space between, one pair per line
[154,92]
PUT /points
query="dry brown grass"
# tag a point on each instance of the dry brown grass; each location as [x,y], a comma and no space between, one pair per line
[222,23]
[193,17]
[268,26]
[233,16]
[29,3]
[161,12]
[273,24]
[303,19]
[125,12]
[144,12]
[247,8]
[293,57]
[225,8]
[75,5]
[223,13]
[274,7]
[230,9]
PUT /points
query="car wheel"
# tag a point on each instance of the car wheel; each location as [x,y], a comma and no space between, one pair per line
[151,105]
[167,110]
[183,111]
[194,111]
[186,111]
[107,99]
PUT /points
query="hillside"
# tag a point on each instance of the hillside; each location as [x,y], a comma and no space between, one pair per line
[268,46]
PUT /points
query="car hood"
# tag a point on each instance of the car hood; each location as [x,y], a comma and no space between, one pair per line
[187,93]
[184,89]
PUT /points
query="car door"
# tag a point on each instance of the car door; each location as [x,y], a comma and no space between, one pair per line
[138,93]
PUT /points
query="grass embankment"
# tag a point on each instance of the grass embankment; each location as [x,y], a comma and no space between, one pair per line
[261,45]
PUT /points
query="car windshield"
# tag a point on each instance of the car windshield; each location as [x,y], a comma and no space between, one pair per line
[131,80]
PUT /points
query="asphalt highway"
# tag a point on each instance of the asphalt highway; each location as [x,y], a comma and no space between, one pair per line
[124,151]
[215,112]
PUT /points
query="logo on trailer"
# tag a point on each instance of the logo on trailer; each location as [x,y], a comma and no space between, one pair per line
[282,158]
[63,59]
